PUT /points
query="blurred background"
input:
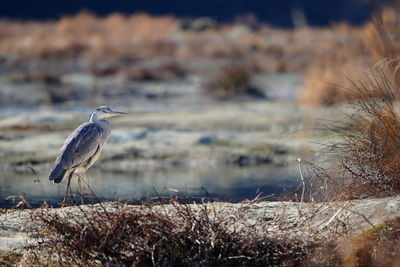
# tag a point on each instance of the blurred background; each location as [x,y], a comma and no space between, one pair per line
[224,96]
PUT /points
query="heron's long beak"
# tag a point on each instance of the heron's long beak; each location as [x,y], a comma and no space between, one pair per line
[118,113]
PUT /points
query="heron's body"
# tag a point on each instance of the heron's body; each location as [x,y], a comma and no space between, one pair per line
[83,146]
[81,149]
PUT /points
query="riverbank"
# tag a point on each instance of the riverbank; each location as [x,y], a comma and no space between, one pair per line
[308,222]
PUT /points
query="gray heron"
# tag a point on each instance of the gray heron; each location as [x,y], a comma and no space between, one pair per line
[83,146]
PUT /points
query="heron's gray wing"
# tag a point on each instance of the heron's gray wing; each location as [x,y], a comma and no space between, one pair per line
[80,145]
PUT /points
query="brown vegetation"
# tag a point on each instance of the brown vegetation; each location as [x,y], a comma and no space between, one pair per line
[162,71]
[9,259]
[329,73]
[381,35]
[86,35]
[140,36]
[186,236]
[331,57]
[230,82]
[366,150]
[328,81]
[379,246]
[201,235]
[349,57]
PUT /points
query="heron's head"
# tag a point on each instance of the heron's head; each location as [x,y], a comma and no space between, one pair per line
[104,112]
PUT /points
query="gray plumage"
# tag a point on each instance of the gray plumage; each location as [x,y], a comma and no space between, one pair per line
[80,148]
[83,146]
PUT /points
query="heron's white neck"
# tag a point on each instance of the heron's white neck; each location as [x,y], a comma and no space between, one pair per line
[102,122]
[95,117]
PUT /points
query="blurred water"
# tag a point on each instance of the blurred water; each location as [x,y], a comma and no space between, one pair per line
[226,183]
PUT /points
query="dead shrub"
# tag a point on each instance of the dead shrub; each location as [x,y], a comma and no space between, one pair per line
[162,71]
[230,82]
[369,138]
[104,68]
[148,235]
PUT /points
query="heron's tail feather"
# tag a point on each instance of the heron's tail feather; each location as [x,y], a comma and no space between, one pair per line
[57,173]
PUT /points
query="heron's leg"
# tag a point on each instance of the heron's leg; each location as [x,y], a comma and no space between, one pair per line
[68,184]
[80,189]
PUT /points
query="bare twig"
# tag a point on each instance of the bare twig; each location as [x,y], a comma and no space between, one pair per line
[302,181]
[334,215]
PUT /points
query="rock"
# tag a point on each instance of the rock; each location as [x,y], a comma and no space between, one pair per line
[206,140]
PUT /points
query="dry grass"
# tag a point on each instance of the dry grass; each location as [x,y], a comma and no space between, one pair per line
[381,36]
[186,235]
[88,36]
[140,36]
[349,56]
[369,138]
[325,81]
[368,164]
[329,73]
[148,235]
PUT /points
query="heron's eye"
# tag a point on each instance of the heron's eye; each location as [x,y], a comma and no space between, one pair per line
[105,111]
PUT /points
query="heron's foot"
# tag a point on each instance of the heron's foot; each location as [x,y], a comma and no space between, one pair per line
[64,204]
